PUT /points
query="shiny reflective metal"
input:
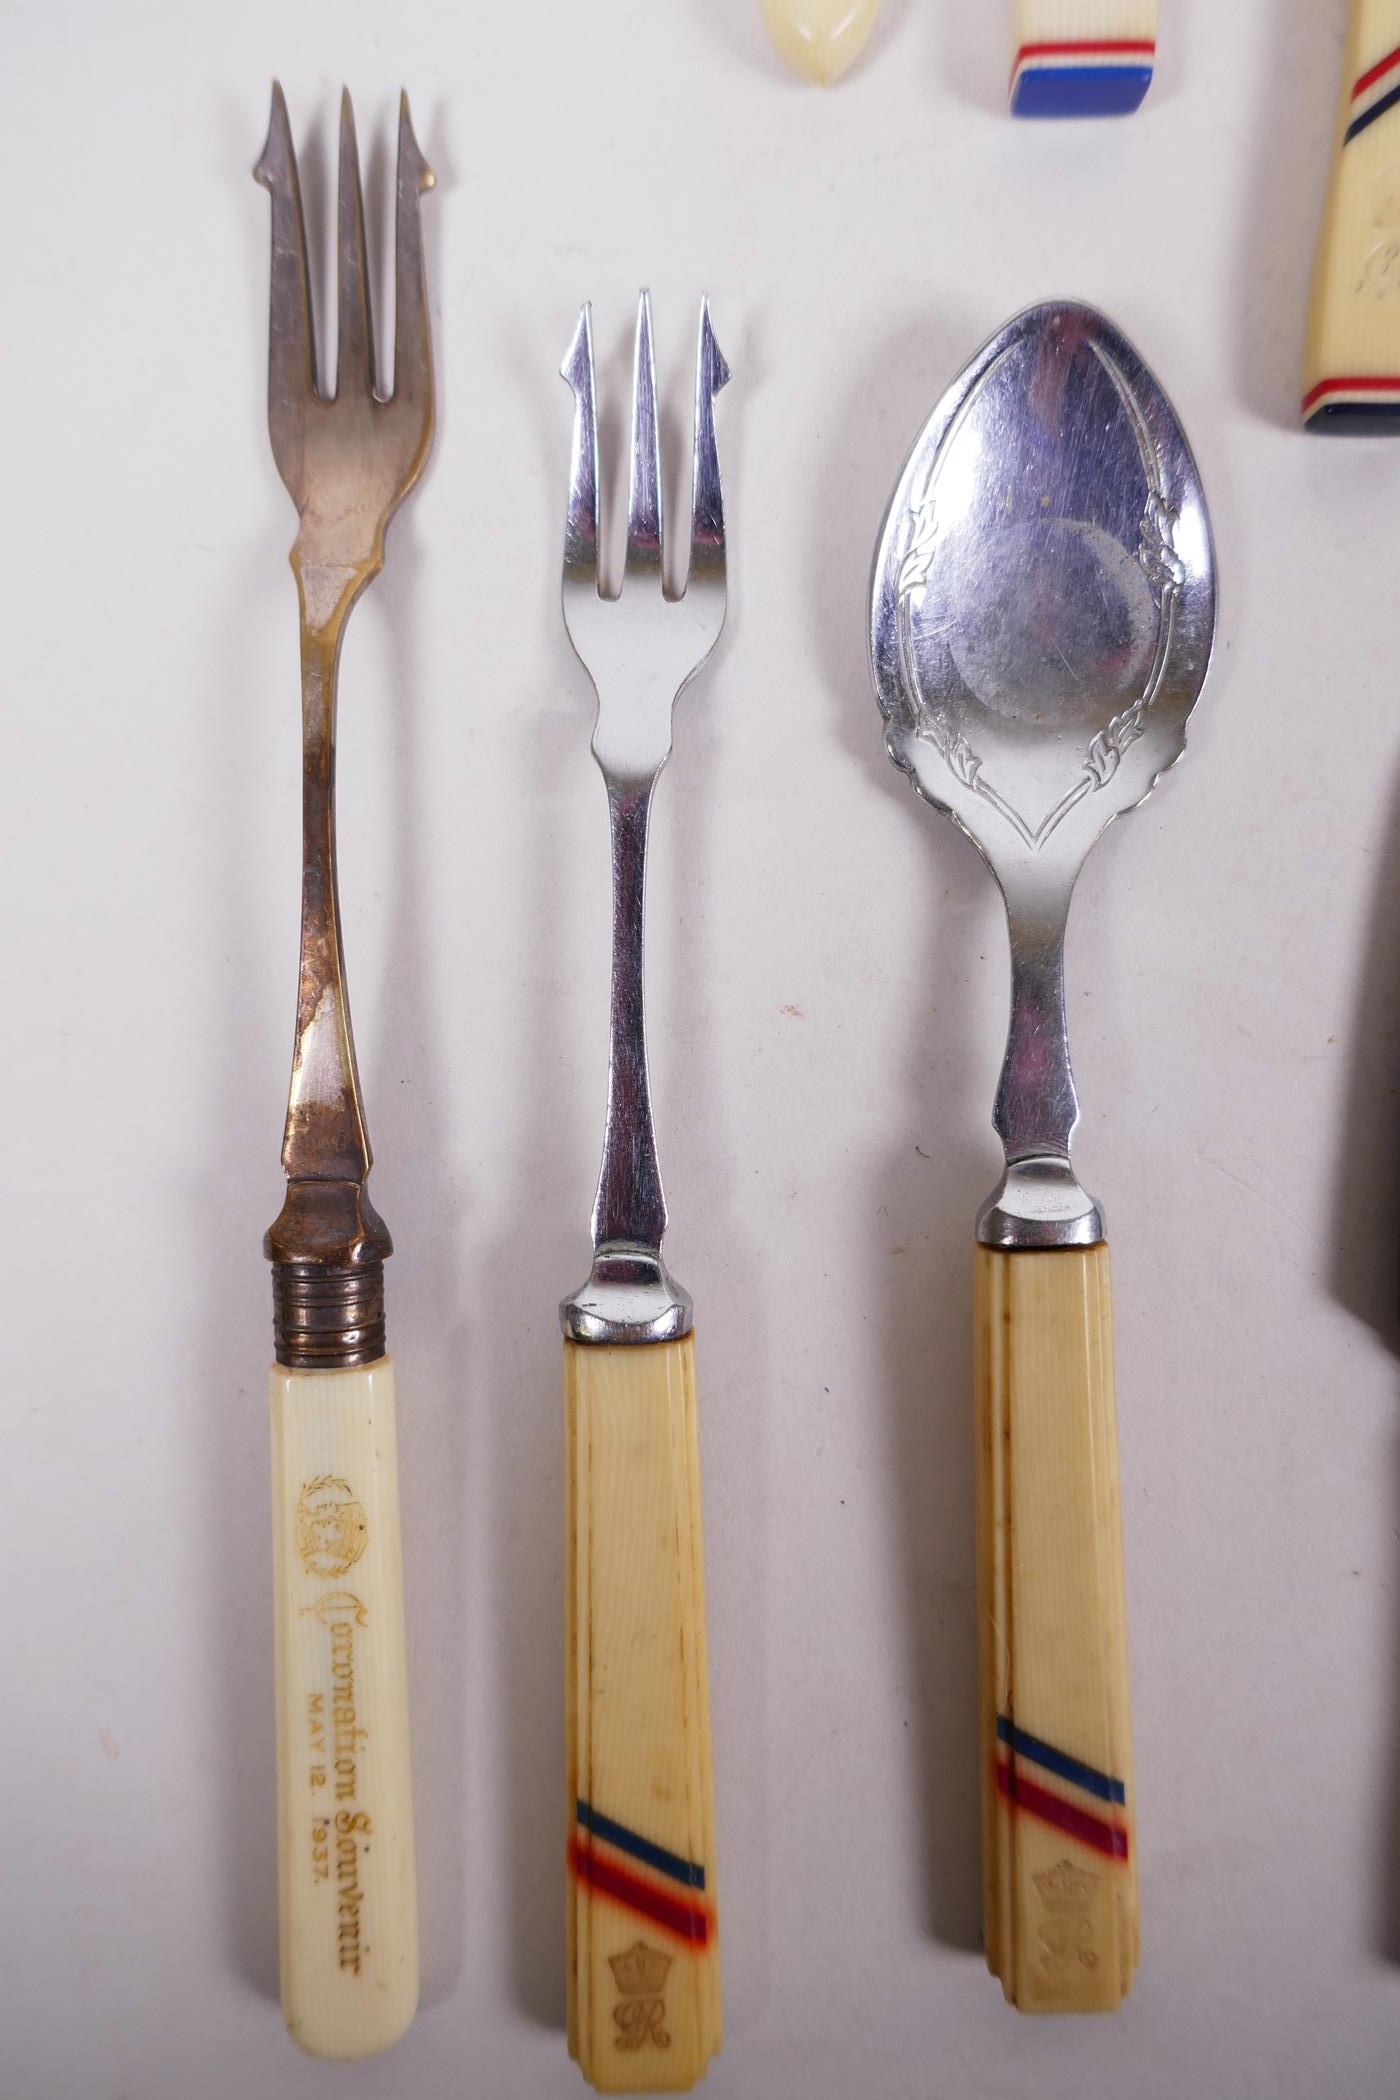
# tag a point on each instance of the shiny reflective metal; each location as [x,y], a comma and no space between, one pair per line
[641,649]
[348,461]
[1042,614]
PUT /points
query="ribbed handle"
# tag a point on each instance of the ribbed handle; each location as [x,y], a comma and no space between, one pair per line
[643,1957]
[1351,371]
[1059,1854]
[1082,58]
[348,1901]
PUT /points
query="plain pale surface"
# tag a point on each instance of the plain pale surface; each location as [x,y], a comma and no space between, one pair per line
[1354,317]
[347,1894]
[637,1706]
[1053,1651]
[828,999]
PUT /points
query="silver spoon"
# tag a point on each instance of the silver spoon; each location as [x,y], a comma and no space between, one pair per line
[1042,613]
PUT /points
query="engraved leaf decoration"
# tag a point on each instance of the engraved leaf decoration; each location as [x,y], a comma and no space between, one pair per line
[1104,753]
[1157,555]
[963,760]
[918,559]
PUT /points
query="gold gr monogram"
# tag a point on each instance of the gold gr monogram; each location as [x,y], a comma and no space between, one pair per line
[1067,1927]
[640,2014]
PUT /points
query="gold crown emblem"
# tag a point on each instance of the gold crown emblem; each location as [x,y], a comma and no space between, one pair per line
[1066,1888]
[641,1971]
[331,1527]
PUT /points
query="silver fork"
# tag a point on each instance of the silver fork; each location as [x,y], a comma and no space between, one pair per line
[639,1793]
[641,649]
[348,1910]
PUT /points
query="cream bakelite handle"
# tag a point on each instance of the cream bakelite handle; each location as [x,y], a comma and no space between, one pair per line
[1082,58]
[820,39]
[1351,373]
[1059,1857]
[347,1893]
[643,1958]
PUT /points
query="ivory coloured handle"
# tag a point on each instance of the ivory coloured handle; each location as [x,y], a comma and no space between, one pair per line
[1059,1860]
[1351,367]
[642,1953]
[347,1894]
[820,39]
[1082,58]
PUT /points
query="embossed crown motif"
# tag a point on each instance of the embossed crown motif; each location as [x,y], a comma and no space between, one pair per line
[331,1527]
[641,1971]
[1065,1887]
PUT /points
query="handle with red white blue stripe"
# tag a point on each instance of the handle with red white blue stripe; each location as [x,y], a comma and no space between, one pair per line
[1082,58]
[1060,1911]
[642,1930]
[1351,372]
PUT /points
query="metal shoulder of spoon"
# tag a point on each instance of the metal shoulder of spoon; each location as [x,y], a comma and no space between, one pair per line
[1042,613]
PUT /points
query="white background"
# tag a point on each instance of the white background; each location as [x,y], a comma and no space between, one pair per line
[827,996]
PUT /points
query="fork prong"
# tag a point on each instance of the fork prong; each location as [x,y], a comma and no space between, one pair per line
[581,518]
[644,496]
[354,365]
[413,350]
[707,494]
[292,344]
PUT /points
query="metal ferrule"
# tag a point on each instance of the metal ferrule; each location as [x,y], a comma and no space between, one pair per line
[328,1248]
[328,1319]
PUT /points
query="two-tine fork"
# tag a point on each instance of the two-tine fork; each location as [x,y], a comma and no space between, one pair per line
[347,1891]
[643,1963]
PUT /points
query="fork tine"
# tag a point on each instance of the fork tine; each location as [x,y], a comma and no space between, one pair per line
[355,353]
[292,345]
[707,494]
[581,518]
[413,350]
[644,497]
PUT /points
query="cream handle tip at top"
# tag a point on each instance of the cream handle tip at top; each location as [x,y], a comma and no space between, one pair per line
[642,1948]
[347,1892]
[1059,1853]
[820,39]
[1351,368]
[1082,58]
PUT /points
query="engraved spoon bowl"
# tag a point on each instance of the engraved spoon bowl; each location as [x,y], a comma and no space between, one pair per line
[1042,615]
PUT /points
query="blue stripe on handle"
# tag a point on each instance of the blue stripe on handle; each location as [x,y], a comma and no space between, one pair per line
[1080,91]
[641,1848]
[1037,1753]
[1368,116]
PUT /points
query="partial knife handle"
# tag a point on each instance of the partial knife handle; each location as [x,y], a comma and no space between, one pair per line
[1351,371]
[642,1952]
[347,1891]
[1060,1908]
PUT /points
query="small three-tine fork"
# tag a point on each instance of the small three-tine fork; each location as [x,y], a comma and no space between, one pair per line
[348,1906]
[640,1803]
[640,649]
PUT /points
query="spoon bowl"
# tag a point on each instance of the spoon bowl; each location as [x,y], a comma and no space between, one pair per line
[1043,600]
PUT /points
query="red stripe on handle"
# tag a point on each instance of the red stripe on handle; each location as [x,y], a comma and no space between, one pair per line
[1123,48]
[1348,386]
[1368,80]
[1049,1808]
[688,1922]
